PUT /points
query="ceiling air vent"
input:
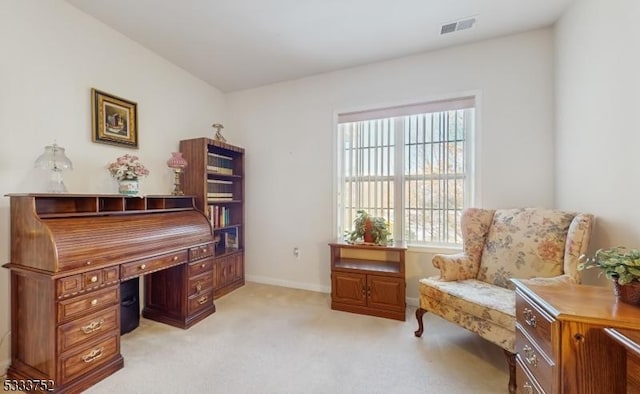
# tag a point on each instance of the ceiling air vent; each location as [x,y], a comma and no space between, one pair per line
[462,24]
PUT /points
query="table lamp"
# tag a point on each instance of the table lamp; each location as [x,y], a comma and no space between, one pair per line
[176,163]
[53,159]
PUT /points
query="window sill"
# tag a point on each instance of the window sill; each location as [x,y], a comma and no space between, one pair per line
[434,249]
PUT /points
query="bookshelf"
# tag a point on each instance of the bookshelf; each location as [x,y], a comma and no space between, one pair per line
[215,177]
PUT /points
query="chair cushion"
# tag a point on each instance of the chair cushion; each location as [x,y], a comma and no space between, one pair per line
[524,243]
[480,299]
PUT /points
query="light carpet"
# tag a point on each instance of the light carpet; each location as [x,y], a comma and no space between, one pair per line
[269,339]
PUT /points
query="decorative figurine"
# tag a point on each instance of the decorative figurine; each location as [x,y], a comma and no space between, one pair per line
[218,135]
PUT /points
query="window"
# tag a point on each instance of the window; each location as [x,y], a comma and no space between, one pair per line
[410,165]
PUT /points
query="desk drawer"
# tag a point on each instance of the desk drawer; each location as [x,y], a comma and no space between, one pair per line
[200,301]
[85,329]
[79,306]
[537,324]
[538,364]
[526,383]
[74,364]
[200,284]
[75,284]
[141,267]
[200,252]
[199,267]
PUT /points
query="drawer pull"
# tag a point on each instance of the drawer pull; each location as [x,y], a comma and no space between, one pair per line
[198,287]
[93,326]
[94,302]
[527,388]
[529,317]
[175,258]
[93,355]
[94,279]
[143,266]
[204,250]
[89,262]
[202,300]
[202,266]
[530,356]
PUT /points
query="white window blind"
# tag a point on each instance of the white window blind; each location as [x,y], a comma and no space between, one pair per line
[410,165]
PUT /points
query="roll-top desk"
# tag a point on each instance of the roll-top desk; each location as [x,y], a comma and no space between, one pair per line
[70,252]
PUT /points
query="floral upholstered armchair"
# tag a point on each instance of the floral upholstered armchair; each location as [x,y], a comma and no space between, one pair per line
[474,290]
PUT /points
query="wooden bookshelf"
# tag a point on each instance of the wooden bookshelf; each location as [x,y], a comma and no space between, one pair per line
[215,176]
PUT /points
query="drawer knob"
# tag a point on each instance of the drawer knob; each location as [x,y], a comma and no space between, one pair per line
[175,258]
[94,279]
[93,326]
[530,356]
[143,266]
[94,302]
[529,317]
[93,355]
[202,300]
[527,388]
[204,250]
[89,262]
[202,265]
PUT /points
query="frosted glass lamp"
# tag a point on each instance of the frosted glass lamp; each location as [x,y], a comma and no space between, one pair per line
[54,160]
[177,163]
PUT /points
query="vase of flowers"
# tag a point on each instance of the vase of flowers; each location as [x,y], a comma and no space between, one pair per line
[127,170]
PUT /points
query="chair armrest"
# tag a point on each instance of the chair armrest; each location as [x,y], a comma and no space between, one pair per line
[454,267]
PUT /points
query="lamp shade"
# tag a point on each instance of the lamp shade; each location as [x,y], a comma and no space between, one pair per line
[176,160]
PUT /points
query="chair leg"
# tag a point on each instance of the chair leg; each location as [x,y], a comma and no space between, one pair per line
[511,360]
[419,313]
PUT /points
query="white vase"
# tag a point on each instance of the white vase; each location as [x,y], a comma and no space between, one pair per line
[128,187]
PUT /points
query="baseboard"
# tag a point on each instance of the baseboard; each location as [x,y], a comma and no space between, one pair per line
[4,365]
[413,301]
[285,283]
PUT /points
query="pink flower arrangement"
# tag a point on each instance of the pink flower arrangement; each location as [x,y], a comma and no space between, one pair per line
[127,167]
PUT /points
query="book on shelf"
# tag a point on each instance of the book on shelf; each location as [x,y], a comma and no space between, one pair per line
[220,164]
[216,195]
[219,199]
[219,216]
[231,238]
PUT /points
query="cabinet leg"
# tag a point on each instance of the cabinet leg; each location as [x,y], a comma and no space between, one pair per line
[419,313]
[511,360]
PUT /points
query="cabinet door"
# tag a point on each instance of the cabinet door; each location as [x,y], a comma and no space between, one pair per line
[386,292]
[348,288]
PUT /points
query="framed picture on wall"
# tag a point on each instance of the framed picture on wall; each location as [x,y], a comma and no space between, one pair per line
[114,120]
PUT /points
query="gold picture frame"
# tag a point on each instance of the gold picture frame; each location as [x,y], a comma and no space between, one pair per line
[114,120]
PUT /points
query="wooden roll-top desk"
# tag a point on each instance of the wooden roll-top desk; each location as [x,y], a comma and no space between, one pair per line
[70,252]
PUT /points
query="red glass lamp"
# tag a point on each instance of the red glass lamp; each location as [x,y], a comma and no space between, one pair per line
[176,163]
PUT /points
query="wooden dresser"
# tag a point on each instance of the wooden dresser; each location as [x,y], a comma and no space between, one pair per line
[561,343]
[69,254]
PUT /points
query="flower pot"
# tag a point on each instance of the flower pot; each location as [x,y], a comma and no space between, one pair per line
[128,187]
[629,293]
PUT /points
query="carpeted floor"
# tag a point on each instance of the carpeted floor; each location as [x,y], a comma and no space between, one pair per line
[268,339]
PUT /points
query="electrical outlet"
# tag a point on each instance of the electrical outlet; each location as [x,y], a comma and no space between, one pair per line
[296,252]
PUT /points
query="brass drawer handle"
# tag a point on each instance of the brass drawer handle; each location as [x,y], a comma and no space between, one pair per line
[93,326]
[530,356]
[202,300]
[93,355]
[529,317]
[203,265]
[204,250]
[143,266]
[198,287]
[527,388]
[94,302]
[93,279]
[175,258]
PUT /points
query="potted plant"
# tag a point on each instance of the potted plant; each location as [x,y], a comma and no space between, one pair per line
[127,170]
[622,266]
[369,229]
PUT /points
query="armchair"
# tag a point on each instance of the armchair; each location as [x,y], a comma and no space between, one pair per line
[474,290]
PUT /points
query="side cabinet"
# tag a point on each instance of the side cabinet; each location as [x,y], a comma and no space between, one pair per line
[368,279]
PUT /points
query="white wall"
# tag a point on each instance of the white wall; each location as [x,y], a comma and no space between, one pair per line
[287,130]
[597,66]
[51,56]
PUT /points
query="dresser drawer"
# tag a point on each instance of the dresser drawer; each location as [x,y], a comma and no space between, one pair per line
[538,325]
[87,328]
[526,383]
[141,267]
[538,364]
[76,363]
[199,267]
[200,301]
[200,284]
[79,306]
[200,252]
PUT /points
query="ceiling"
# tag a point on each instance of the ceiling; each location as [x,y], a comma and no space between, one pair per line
[241,44]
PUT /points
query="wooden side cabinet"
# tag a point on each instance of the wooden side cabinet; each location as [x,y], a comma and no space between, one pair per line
[368,279]
[561,342]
